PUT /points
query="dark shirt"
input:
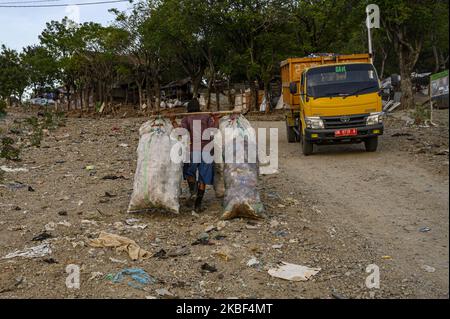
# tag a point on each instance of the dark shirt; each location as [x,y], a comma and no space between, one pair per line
[205,121]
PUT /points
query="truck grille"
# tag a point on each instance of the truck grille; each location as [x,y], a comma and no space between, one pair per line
[337,122]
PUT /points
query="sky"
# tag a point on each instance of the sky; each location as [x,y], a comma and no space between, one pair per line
[20,27]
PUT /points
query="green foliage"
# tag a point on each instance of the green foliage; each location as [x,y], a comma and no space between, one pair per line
[7,149]
[13,79]
[2,108]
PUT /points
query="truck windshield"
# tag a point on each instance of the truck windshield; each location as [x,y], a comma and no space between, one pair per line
[342,80]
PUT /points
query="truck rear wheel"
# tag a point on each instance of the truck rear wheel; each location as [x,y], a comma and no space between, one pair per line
[307,146]
[371,144]
[291,135]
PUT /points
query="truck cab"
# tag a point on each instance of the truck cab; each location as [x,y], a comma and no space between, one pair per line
[332,101]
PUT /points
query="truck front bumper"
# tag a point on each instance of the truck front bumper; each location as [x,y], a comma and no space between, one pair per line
[328,135]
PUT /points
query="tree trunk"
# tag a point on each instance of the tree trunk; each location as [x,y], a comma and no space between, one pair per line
[157,94]
[139,86]
[196,80]
[148,92]
[407,99]
[437,64]
[267,97]
[208,94]
[217,91]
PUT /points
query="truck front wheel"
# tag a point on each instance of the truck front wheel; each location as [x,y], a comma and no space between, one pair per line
[307,146]
[371,144]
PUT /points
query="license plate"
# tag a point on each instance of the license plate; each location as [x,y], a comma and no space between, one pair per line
[346,132]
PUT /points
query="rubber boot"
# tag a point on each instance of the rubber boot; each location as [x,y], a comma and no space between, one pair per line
[192,188]
[198,200]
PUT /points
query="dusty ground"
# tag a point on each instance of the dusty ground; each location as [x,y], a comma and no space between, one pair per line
[340,209]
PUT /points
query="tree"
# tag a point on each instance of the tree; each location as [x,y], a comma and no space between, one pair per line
[40,67]
[13,80]
[407,24]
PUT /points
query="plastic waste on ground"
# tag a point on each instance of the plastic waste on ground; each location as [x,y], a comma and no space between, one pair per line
[241,194]
[293,272]
[157,179]
[13,170]
[140,277]
[31,252]
[120,243]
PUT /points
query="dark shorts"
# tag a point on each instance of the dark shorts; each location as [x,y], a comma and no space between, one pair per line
[205,172]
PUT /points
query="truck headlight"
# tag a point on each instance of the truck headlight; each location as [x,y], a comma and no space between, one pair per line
[375,118]
[314,122]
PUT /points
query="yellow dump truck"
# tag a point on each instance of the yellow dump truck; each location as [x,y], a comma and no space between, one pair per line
[332,99]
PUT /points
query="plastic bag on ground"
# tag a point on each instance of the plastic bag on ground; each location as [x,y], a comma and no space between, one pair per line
[241,194]
[157,179]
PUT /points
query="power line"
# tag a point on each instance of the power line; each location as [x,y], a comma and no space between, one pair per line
[27,1]
[61,5]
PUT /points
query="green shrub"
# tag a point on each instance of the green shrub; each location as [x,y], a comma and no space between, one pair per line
[2,108]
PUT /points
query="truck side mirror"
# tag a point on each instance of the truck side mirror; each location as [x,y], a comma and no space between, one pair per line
[293,87]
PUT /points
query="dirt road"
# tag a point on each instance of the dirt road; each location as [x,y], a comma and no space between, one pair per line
[386,197]
[339,210]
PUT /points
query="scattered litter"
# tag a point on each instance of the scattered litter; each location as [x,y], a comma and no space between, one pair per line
[222,224]
[425,229]
[42,236]
[31,252]
[442,152]
[208,268]
[50,226]
[293,272]
[123,145]
[161,254]
[203,239]
[90,167]
[119,261]
[180,251]
[164,292]
[108,194]
[131,221]
[193,213]
[225,253]
[277,246]
[30,189]
[113,177]
[120,244]
[274,223]
[401,134]
[253,262]
[428,268]
[386,257]
[210,228]
[95,275]
[219,237]
[64,223]
[337,295]
[281,233]
[139,276]
[13,170]
[50,261]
